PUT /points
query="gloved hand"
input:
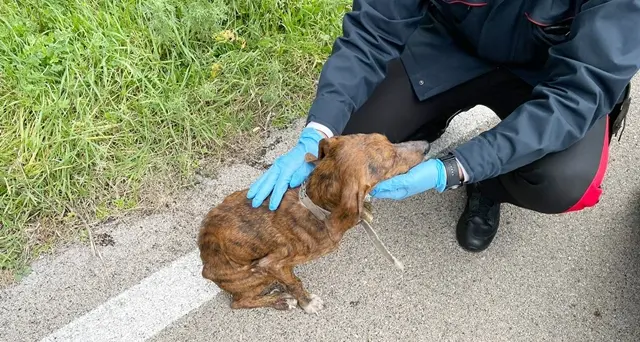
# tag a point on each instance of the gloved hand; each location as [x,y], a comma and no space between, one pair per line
[289,169]
[425,176]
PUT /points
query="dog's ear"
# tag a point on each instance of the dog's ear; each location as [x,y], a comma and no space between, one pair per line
[323,150]
[347,213]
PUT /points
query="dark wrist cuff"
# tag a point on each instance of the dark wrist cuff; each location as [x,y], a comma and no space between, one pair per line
[452,170]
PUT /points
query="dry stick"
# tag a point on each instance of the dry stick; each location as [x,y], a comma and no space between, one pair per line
[367,219]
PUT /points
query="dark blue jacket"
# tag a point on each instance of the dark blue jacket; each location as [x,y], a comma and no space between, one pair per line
[578,72]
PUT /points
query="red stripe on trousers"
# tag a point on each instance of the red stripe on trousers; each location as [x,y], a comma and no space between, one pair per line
[592,196]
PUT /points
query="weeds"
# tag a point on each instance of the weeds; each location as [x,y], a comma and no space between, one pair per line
[96,96]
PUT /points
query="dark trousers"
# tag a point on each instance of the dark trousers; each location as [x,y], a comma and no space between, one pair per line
[566,181]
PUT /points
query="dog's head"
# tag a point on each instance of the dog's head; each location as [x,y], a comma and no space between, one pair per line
[349,166]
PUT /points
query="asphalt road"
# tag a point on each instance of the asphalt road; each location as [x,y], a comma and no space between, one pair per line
[573,277]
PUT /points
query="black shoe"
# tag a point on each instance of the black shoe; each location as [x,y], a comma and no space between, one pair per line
[479,222]
[618,116]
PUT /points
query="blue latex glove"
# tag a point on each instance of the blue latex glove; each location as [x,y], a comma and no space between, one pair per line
[289,170]
[422,177]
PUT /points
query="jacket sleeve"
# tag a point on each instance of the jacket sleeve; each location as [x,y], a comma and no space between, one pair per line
[374,33]
[587,75]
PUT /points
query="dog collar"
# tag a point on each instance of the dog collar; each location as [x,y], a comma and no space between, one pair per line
[316,210]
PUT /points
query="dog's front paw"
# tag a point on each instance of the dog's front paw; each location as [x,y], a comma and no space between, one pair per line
[292,303]
[314,305]
[287,302]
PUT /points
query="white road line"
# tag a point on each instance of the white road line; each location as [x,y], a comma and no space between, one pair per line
[146,308]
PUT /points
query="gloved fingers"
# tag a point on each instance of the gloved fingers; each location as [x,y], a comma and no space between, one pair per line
[301,174]
[266,186]
[393,188]
[389,184]
[395,194]
[257,185]
[280,187]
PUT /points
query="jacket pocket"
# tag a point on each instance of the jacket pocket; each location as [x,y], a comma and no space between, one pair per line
[551,20]
[457,10]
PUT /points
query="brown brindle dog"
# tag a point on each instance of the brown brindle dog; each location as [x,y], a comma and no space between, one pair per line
[251,253]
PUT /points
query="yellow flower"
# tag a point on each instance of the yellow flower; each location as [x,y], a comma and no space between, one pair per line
[226,35]
[216,68]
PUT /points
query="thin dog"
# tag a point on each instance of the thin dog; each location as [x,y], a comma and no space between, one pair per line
[251,252]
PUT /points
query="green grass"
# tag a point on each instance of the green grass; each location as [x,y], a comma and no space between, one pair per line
[98,96]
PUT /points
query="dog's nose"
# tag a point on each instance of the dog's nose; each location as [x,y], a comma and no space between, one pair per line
[425,147]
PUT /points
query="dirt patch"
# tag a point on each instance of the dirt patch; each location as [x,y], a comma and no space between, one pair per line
[6,278]
[104,240]
[255,161]
[250,150]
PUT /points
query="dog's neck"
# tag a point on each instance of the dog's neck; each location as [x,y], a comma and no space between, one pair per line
[319,212]
[316,200]
[323,189]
